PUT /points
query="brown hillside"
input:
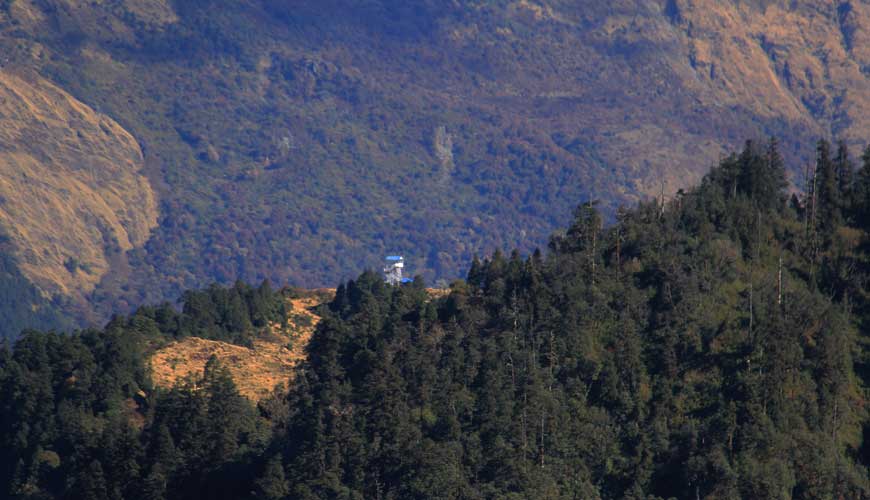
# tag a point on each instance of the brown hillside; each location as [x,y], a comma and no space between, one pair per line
[256,370]
[803,61]
[71,192]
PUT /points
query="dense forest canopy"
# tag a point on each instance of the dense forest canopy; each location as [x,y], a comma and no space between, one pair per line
[710,347]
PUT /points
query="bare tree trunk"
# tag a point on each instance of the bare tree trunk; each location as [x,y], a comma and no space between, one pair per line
[618,255]
[543,420]
[815,249]
[592,259]
[662,201]
[750,304]
[551,359]
[779,282]
[525,434]
[807,195]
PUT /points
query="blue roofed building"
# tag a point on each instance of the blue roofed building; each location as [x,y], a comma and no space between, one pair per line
[393,270]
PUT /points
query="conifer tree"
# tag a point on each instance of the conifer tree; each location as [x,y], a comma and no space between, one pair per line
[154,486]
[228,413]
[861,193]
[751,177]
[272,485]
[828,195]
[775,181]
[163,453]
[123,456]
[90,484]
[475,273]
[845,175]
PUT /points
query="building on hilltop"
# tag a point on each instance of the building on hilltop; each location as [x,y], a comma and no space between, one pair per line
[393,270]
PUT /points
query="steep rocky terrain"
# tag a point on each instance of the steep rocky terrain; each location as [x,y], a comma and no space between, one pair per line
[301,141]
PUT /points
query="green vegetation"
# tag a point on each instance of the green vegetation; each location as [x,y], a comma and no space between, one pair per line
[229,314]
[79,417]
[705,349]
[713,347]
[299,141]
[23,305]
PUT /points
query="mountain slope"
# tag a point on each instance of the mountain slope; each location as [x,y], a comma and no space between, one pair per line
[302,141]
[714,347]
[70,184]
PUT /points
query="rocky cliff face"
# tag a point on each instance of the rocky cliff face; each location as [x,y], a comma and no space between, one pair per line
[302,141]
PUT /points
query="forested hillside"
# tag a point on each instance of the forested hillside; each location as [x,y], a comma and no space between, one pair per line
[712,347]
[302,141]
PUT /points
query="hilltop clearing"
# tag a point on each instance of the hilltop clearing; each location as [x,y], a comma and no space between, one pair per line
[257,369]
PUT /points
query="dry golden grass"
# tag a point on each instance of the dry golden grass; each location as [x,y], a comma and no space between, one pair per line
[438,293]
[70,188]
[783,60]
[256,370]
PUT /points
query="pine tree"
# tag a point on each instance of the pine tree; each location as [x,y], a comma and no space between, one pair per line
[229,414]
[584,237]
[155,486]
[845,176]
[774,179]
[272,485]
[861,193]
[90,484]
[829,197]
[163,454]
[752,176]
[261,304]
[475,273]
[236,316]
[123,458]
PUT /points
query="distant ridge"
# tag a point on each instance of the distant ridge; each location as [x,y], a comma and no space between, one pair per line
[299,141]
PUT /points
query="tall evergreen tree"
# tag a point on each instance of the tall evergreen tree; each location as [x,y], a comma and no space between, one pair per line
[845,178]
[272,485]
[775,181]
[828,197]
[861,193]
